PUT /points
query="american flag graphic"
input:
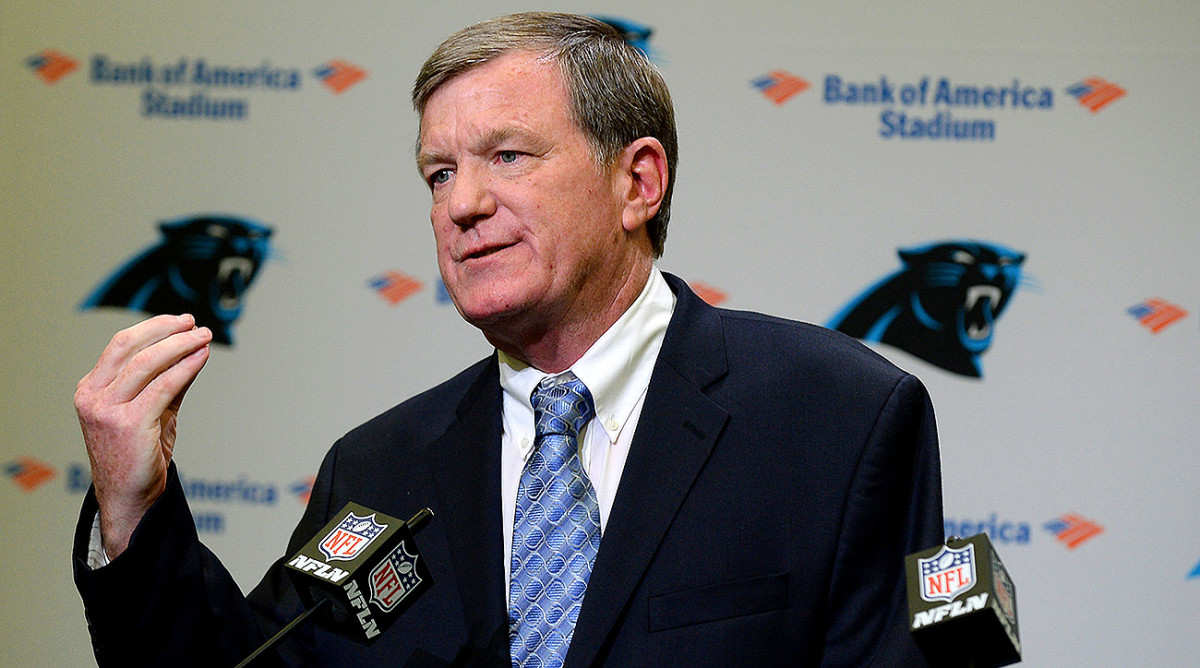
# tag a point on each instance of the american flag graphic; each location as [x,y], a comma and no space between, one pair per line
[1095,93]
[29,473]
[779,86]
[708,293]
[1073,530]
[1157,313]
[394,287]
[441,294]
[52,65]
[303,488]
[338,75]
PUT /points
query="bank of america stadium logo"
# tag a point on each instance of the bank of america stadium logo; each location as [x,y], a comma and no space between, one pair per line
[339,75]
[1095,93]
[349,538]
[441,296]
[713,296]
[29,473]
[302,489]
[779,86]
[1073,530]
[1156,314]
[394,578]
[394,287]
[52,65]
[948,573]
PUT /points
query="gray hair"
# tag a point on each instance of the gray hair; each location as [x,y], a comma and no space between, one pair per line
[617,95]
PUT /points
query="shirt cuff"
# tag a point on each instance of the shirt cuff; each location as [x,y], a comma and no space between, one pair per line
[96,557]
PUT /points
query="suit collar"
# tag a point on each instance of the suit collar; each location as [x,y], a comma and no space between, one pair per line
[695,341]
[466,475]
[678,427]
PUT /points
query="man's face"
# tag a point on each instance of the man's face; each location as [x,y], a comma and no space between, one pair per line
[528,226]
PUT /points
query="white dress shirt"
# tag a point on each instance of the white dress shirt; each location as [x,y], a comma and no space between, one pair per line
[616,370]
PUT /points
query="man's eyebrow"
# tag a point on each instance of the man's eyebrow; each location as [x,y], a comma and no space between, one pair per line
[427,158]
[500,135]
[488,141]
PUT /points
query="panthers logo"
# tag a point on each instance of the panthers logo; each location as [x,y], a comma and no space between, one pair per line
[203,266]
[941,306]
[634,34]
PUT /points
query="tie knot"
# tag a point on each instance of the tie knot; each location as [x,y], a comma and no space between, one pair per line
[561,405]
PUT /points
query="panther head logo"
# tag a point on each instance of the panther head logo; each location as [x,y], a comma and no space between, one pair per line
[202,266]
[635,34]
[941,306]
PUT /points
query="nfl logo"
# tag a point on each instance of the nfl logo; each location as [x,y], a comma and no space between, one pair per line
[350,537]
[948,573]
[394,578]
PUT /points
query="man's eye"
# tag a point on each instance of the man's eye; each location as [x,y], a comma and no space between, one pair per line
[439,177]
[508,157]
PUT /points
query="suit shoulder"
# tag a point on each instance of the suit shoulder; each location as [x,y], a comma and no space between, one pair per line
[793,346]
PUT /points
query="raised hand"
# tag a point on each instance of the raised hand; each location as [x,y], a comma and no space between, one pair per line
[128,405]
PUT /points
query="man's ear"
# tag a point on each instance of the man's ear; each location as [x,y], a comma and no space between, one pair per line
[643,165]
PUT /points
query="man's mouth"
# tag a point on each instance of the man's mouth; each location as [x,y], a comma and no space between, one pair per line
[480,253]
[484,253]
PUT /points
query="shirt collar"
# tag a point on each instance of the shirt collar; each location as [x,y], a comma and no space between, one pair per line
[617,368]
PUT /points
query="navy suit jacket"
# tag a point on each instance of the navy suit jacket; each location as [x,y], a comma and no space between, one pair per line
[779,474]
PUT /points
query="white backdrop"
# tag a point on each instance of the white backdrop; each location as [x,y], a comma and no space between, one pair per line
[791,208]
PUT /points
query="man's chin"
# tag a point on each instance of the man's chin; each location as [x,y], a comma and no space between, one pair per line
[487,315]
[505,326]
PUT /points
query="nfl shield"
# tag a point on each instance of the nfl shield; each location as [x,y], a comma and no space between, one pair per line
[350,537]
[393,578]
[948,573]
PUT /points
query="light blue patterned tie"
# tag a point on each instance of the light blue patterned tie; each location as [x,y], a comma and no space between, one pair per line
[556,531]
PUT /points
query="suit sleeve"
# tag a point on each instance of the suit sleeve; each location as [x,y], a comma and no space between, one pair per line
[894,508]
[168,601]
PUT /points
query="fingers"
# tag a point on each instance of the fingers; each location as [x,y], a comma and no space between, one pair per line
[162,369]
[128,342]
[143,373]
[165,392]
[138,356]
[185,365]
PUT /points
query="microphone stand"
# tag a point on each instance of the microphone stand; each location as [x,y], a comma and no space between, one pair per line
[284,632]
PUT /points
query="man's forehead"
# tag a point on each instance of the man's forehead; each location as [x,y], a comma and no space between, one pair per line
[487,125]
[507,97]
[504,71]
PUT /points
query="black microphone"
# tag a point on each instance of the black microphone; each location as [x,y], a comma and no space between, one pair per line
[358,574]
[962,605]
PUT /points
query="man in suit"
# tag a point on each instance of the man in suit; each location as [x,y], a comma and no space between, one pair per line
[633,478]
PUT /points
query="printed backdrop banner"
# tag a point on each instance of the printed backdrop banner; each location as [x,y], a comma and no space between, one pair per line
[1000,199]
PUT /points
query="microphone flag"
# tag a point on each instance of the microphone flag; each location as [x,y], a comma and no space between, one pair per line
[367,565]
[962,604]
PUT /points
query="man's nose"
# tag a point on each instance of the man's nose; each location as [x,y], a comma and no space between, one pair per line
[471,198]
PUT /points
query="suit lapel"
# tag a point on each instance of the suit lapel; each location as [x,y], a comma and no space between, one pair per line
[466,475]
[676,432]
